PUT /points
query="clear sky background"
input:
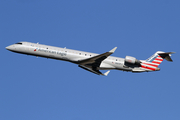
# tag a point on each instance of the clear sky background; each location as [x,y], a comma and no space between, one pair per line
[44,89]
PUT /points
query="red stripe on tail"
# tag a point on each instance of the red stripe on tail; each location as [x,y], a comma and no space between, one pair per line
[159,59]
[151,64]
[156,62]
[148,67]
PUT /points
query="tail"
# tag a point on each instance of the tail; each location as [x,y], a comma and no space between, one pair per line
[152,63]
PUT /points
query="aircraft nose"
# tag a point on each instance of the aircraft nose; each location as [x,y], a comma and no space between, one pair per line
[9,47]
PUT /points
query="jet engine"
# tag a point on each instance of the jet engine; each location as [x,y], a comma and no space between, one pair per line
[131,60]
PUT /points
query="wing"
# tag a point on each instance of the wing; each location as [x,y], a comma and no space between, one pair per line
[92,64]
[93,70]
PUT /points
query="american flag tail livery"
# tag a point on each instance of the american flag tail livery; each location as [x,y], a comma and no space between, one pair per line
[152,63]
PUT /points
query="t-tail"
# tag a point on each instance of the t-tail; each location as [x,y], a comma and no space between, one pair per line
[152,63]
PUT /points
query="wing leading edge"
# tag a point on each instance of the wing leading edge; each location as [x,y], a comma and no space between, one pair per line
[92,64]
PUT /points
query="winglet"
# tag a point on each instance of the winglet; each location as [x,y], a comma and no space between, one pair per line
[112,51]
[106,73]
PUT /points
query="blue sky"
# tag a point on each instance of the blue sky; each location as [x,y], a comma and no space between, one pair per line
[38,88]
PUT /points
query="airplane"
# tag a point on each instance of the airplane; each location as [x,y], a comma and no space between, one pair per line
[91,61]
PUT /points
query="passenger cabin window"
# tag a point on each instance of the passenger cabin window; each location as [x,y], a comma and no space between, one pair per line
[19,43]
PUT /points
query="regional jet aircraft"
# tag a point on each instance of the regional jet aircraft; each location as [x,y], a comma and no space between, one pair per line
[90,61]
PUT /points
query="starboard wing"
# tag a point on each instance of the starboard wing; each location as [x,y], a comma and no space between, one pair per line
[97,59]
[91,64]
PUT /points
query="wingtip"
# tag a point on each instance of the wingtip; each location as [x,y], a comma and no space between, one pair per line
[113,50]
[106,73]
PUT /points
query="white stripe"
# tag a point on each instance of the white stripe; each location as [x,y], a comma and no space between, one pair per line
[159,57]
[151,63]
[149,66]
[157,61]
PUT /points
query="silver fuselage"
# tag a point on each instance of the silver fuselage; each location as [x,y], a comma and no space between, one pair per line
[66,55]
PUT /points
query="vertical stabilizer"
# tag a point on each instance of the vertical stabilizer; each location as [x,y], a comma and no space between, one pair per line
[152,63]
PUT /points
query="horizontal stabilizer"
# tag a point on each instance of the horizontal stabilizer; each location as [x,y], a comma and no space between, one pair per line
[167,55]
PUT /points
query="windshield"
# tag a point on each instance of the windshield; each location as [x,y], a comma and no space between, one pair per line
[19,43]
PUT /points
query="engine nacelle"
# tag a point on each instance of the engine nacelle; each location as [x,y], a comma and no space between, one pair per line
[131,60]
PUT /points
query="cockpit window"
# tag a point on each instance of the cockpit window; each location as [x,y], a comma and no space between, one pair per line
[19,43]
